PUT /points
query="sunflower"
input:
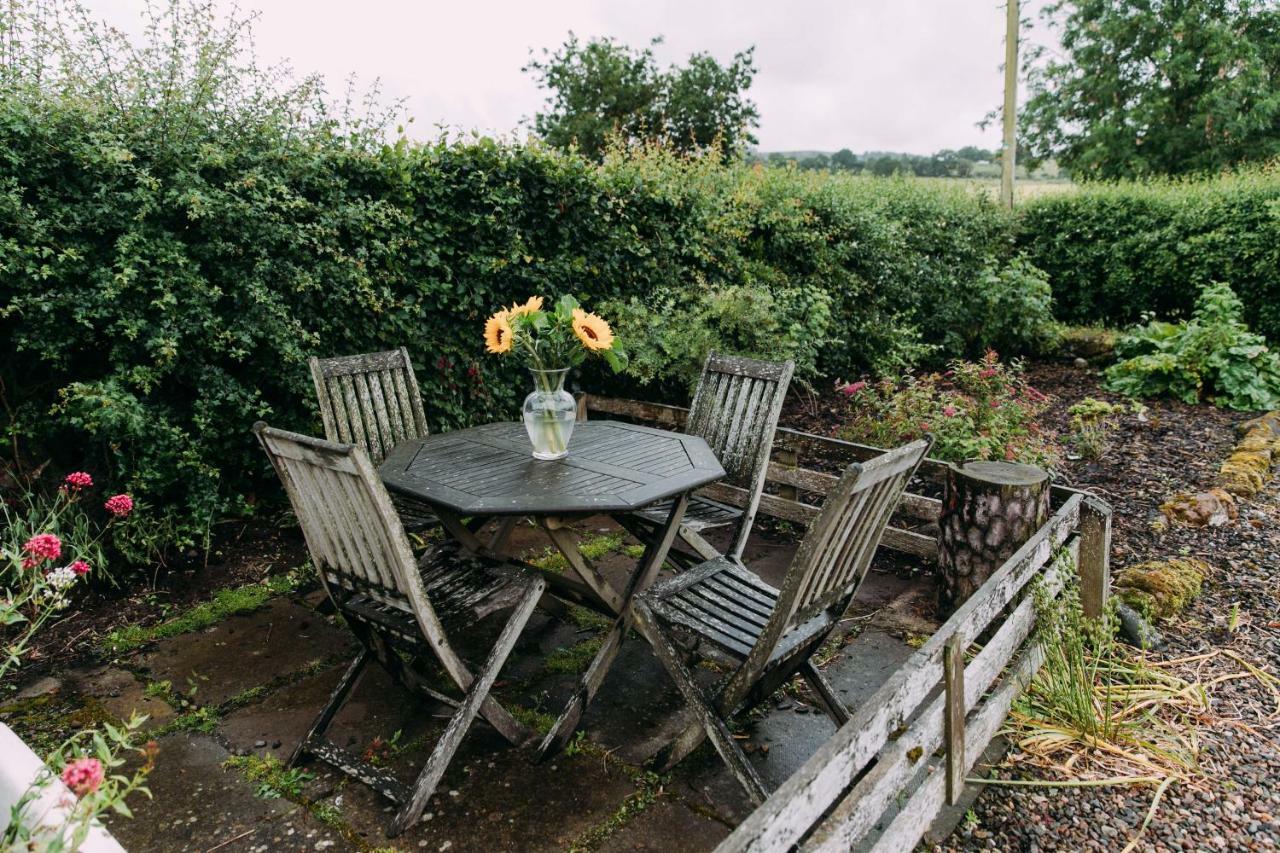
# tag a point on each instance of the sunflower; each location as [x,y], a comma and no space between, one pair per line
[594,332]
[498,337]
[531,306]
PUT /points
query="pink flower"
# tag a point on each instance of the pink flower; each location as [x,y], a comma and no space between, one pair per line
[78,480]
[949,411]
[995,404]
[42,546]
[853,388]
[924,425]
[119,505]
[80,567]
[83,776]
[988,373]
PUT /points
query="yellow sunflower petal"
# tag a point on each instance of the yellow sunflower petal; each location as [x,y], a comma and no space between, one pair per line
[593,331]
[497,333]
[531,305]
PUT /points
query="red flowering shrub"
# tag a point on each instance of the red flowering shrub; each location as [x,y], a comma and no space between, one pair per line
[43,546]
[975,410]
[77,480]
[119,505]
[83,775]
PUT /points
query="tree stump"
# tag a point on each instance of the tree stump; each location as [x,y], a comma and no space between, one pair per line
[988,510]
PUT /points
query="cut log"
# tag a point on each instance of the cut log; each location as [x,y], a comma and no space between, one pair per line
[988,510]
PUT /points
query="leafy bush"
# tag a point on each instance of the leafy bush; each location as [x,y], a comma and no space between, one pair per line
[1115,251]
[180,233]
[975,410]
[674,329]
[1214,356]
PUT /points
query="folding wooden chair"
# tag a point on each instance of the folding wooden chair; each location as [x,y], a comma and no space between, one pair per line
[735,410]
[401,610]
[767,634]
[372,401]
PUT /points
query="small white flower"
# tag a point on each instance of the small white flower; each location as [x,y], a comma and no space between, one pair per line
[61,578]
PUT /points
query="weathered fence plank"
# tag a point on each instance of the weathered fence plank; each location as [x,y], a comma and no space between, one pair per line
[953,734]
[798,804]
[859,809]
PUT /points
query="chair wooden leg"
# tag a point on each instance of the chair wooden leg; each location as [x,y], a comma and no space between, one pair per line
[714,727]
[679,747]
[339,695]
[694,540]
[825,694]
[476,696]
[655,554]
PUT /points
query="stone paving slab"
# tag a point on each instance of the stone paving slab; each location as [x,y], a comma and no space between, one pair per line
[667,827]
[496,799]
[198,806]
[242,652]
[493,797]
[121,694]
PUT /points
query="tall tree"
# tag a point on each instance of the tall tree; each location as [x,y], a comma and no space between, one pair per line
[601,87]
[1156,87]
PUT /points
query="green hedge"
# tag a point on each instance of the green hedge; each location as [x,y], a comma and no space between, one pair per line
[1115,251]
[162,287]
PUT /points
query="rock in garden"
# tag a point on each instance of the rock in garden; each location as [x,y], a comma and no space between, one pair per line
[1213,508]
[1086,344]
[1161,588]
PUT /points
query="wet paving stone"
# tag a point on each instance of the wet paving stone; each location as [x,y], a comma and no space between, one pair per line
[243,652]
[199,806]
[121,694]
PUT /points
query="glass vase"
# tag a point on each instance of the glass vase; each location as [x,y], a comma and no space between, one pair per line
[549,414]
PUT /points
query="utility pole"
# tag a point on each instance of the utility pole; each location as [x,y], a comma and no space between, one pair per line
[1008,155]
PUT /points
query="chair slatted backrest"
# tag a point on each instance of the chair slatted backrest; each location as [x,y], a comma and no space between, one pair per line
[370,400]
[351,528]
[836,553]
[735,411]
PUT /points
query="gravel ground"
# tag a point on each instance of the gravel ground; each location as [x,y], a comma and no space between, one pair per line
[1234,804]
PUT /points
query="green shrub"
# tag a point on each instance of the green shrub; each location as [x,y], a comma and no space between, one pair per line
[1115,251]
[975,410]
[1214,356]
[673,329]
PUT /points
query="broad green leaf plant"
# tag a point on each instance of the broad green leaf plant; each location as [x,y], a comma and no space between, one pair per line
[1213,357]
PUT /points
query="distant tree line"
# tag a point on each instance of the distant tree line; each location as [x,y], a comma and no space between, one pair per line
[947,163]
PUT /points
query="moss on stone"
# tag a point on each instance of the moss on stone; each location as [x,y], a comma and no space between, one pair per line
[1248,467]
[1161,588]
[230,601]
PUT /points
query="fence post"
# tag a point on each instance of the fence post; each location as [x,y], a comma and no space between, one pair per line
[788,457]
[1095,555]
[953,680]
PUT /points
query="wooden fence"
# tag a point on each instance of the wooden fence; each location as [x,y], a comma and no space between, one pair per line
[880,781]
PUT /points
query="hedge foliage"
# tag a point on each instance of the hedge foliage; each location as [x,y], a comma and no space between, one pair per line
[162,283]
[1116,251]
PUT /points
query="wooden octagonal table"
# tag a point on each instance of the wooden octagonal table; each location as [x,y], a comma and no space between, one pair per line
[612,468]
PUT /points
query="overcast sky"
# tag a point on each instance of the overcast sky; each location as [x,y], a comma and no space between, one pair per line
[900,75]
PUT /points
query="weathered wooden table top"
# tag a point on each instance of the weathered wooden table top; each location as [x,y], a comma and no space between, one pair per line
[489,470]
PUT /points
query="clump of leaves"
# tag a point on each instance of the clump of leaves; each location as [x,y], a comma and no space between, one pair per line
[268,773]
[1213,357]
[975,410]
[670,332]
[1092,423]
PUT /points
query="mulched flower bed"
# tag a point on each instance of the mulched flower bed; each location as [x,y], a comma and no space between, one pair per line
[1235,803]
